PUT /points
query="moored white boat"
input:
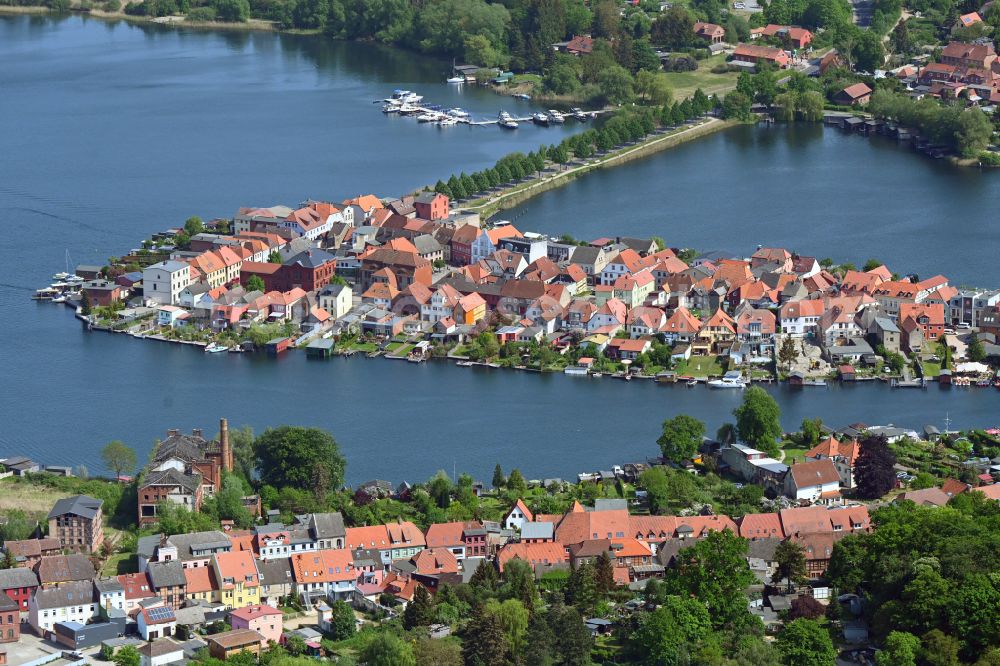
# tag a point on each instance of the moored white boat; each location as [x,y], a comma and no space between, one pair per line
[555,117]
[732,379]
[456,79]
[215,348]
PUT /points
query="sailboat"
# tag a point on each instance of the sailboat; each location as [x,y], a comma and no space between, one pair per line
[67,274]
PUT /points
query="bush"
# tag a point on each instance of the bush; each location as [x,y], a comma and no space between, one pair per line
[989,158]
[201,14]
[112,6]
[720,69]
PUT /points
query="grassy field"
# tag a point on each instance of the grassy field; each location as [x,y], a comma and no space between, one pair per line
[28,497]
[366,347]
[120,563]
[700,366]
[685,83]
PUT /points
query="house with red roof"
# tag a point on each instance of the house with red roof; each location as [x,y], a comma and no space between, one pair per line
[857,94]
[627,349]
[920,324]
[518,515]
[716,334]
[753,54]
[324,574]
[795,37]
[816,481]
[843,454]
[799,319]
[682,326]
[579,45]
[264,619]
[538,555]
[645,321]
[761,526]
[710,32]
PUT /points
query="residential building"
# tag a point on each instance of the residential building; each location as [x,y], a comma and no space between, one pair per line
[163,282]
[230,643]
[56,570]
[19,585]
[264,619]
[710,32]
[817,481]
[78,523]
[753,54]
[324,574]
[71,602]
[238,578]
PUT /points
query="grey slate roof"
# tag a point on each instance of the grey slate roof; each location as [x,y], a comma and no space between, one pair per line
[62,568]
[167,574]
[108,586]
[532,530]
[328,525]
[17,577]
[78,505]
[68,594]
[185,543]
[185,447]
[763,549]
[171,477]
[146,546]
[276,572]
[312,258]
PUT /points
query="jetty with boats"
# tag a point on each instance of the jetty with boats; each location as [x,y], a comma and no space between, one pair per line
[411,104]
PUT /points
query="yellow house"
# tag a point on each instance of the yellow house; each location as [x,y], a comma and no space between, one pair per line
[201,584]
[470,309]
[632,290]
[211,268]
[238,578]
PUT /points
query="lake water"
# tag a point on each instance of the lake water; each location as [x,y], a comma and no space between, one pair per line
[112,131]
[814,190]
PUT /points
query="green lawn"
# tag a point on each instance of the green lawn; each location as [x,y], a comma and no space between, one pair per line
[700,366]
[685,83]
[931,368]
[120,563]
[366,347]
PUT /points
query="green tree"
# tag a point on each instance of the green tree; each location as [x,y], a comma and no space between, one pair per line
[342,620]
[901,649]
[420,611]
[287,456]
[758,420]
[975,351]
[581,590]
[680,438]
[387,649]
[516,483]
[604,574]
[86,305]
[615,84]
[736,106]
[513,619]
[485,643]
[127,656]
[274,257]
[438,652]
[541,642]
[228,502]
[715,571]
[17,526]
[498,478]
[193,225]
[791,564]
[671,632]
[255,283]
[805,643]
[573,640]
[479,50]
[939,649]
[810,106]
[973,133]
[119,458]
[653,87]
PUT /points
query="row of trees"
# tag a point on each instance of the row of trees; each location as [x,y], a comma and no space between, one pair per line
[967,131]
[622,128]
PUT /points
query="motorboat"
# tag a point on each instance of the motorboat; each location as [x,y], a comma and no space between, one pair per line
[45,294]
[521,96]
[456,79]
[215,348]
[691,383]
[408,109]
[458,113]
[503,115]
[579,114]
[540,118]
[510,123]
[428,118]
[732,379]
[555,117]
[390,108]
[447,122]
[59,277]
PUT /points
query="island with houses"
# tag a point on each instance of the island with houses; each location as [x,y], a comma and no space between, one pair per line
[413,279]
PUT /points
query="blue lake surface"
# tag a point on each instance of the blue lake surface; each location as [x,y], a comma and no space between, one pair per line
[110,131]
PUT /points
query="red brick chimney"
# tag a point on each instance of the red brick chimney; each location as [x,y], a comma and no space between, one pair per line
[227,454]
